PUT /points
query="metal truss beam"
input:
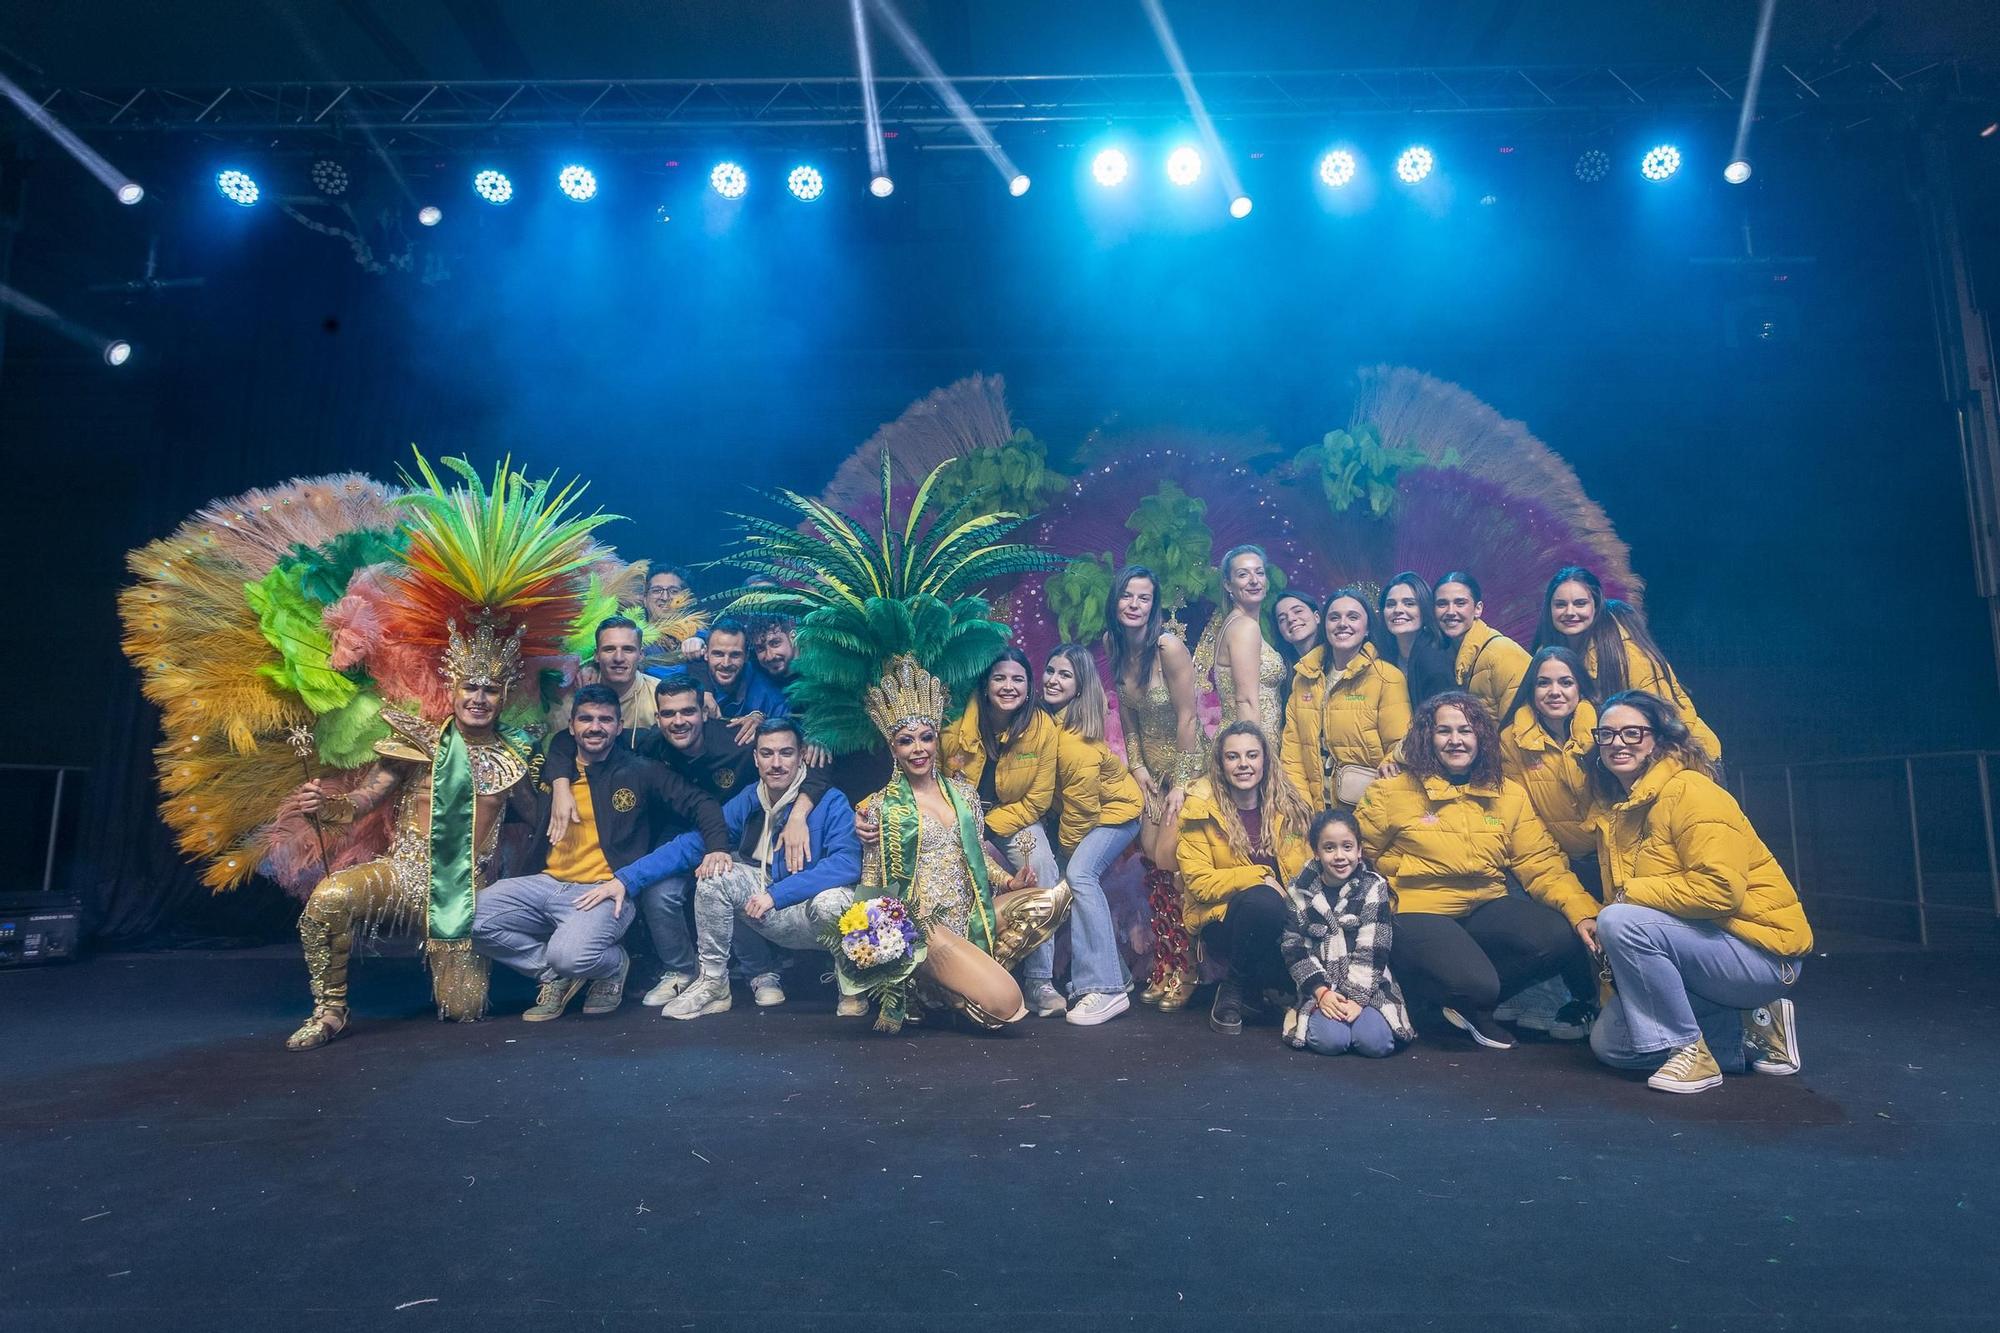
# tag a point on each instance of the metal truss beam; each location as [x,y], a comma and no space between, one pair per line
[801,108]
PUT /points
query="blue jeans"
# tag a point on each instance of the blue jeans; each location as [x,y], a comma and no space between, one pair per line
[529,924]
[1367,1035]
[1094,965]
[664,904]
[1678,980]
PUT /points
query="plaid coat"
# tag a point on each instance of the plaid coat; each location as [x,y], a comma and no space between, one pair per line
[1339,936]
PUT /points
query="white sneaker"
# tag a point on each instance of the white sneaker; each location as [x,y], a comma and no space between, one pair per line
[708,995]
[767,991]
[1043,998]
[1094,1008]
[667,987]
[852,1006]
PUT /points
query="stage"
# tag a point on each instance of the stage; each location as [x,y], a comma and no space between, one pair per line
[169,1164]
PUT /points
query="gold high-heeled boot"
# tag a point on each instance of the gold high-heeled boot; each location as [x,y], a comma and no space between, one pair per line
[1177,988]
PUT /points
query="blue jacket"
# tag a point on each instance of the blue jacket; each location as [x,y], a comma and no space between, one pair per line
[836,848]
[761,694]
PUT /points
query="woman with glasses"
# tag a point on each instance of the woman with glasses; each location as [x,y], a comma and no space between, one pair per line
[1446,832]
[1704,934]
[1617,649]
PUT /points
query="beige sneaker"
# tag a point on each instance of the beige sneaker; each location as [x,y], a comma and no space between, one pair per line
[607,993]
[708,995]
[1689,1069]
[668,986]
[1772,1034]
[852,1006]
[555,998]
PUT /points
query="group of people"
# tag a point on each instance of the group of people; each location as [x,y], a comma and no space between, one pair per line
[1403,813]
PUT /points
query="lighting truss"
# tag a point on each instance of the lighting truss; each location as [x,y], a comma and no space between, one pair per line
[435,112]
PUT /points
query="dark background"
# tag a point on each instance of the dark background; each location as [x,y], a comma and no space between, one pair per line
[1794,500]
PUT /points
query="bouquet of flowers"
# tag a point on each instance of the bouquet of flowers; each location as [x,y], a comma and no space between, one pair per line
[876,946]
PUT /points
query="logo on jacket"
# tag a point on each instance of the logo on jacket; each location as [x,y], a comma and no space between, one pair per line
[624,800]
[725,778]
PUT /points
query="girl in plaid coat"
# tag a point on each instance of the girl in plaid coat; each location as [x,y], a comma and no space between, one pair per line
[1336,945]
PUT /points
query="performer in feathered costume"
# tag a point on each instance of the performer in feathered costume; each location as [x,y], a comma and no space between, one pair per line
[891,641]
[270,630]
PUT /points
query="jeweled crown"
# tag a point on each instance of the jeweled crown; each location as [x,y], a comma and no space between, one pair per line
[485,658]
[906,694]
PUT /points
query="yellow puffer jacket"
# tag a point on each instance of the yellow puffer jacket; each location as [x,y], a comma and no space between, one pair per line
[1555,773]
[1445,849]
[1356,716]
[1024,778]
[1490,667]
[1094,789]
[1212,873]
[1641,674]
[1680,844]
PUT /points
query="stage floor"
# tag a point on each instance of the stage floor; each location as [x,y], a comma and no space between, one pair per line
[169,1165]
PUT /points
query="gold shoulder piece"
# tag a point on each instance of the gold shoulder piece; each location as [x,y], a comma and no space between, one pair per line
[410,737]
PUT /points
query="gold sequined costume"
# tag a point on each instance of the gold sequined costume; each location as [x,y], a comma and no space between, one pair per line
[391,891]
[956,973]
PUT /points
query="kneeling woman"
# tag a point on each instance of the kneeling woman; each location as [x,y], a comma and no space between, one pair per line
[1704,933]
[1445,833]
[1243,837]
[928,851]
[1337,948]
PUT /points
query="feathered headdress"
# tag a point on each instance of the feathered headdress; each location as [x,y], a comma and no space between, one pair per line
[863,597]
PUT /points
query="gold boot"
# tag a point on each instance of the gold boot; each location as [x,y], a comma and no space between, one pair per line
[1026,918]
[1154,990]
[1177,988]
[324,1025]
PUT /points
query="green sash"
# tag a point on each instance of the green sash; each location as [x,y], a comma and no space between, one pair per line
[900,819]
[453,804]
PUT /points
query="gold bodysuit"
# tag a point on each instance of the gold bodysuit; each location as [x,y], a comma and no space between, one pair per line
[394,891]
[1270,676]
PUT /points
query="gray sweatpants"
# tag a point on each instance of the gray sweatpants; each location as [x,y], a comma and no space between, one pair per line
[528,924]
[718,907]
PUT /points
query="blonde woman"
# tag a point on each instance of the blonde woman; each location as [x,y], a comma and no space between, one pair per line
[1243,838]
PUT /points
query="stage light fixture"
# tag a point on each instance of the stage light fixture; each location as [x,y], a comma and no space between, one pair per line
[578,182]
[1110,168]
[430,215]
[1736,172]
[1239,207]
[729,180]
[1593,166]
[1184,166]
[493,186]
[1337,168]
[117,353]
[881,187]
[1018,186]
[663,213]
[237,187]
[805,183]
[1991,129]
[1415,164]
[329,177]
[1660,162]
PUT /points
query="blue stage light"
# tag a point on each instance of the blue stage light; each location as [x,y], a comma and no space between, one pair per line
[729,180]
[1593,165]
[1239,207]
[806,184]
[1737,172]
[1184,166]
[881,187]
[237,187]
[493,186]
[1111,167]
[578,182]
[1415,164]
[1018,186]
[1660,162]
[1337,168]
[430,215]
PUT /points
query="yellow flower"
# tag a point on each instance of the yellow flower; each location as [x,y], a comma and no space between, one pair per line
[854,918]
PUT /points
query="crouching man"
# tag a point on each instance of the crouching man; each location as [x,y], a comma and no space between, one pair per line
[791,906]
[562,925]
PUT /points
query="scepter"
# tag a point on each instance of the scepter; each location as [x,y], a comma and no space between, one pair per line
[300,738]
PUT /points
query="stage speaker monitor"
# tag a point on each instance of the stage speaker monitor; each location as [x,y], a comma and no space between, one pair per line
[38,928]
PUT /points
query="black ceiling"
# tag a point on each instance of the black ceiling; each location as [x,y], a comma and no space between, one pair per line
[200,41]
